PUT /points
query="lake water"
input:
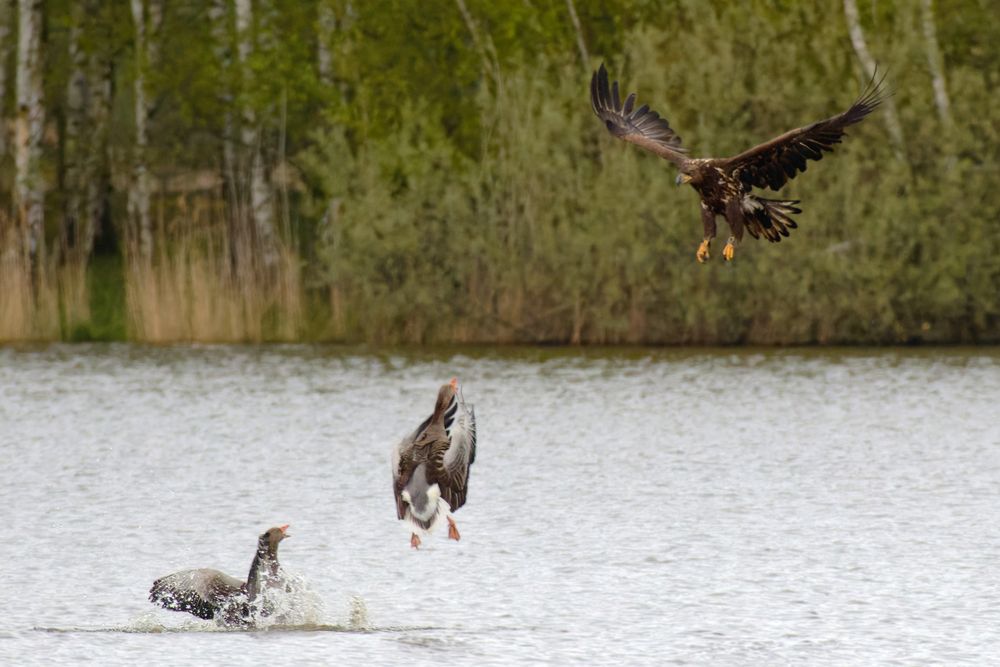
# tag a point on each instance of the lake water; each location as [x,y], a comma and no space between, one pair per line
[721,507]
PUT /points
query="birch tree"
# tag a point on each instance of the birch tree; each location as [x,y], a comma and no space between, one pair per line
[220,18]
[138,194]
[6,19]
[155,21]
[580,43]
[29,192]
[327,24]
[261,204]
[891,116]
[486,55]
[936,64]
[73,148]
[94,165]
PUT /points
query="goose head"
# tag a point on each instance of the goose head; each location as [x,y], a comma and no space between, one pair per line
[445,397]
[268,542]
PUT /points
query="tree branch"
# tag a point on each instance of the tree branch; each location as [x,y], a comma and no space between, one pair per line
[861,49]
[936,64]
[584,58]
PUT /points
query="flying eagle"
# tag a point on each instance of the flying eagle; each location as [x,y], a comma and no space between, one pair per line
[724,183]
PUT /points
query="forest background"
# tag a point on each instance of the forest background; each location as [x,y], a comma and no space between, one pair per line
[420,172]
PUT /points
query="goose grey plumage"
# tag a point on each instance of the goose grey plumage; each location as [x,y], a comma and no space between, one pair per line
[208,593]
[430,466]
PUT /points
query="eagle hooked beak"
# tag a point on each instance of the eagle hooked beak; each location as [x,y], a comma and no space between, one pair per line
[682,179]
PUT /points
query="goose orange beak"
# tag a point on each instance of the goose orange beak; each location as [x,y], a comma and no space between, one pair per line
[283,529]
[454,383]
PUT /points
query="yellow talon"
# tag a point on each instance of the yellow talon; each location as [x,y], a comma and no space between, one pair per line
[702,255]
[728,251]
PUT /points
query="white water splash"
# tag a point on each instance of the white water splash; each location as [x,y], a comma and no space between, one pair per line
[358,618]
[293,603]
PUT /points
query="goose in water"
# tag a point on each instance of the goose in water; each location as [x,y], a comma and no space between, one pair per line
[430,467]
[209,594]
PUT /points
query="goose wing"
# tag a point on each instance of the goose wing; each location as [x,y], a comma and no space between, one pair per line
[457,452]
[201,592]
[404,459]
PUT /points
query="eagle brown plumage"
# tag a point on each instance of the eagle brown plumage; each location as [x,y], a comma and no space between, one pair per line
[724,184]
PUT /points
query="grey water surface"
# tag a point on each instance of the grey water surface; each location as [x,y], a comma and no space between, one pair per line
[710,507]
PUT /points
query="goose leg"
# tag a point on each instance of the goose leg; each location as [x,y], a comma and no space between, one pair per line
[453,530]
[414,541]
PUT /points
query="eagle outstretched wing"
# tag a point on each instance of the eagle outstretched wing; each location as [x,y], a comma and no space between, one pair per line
[643,126]
[773,163]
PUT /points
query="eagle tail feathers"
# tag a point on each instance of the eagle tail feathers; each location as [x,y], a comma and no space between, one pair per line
[770,218]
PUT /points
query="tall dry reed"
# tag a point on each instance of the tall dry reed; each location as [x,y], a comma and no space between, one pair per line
[208,282]
[41,302]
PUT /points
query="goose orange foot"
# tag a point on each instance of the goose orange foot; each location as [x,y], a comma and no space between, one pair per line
[702,255]
[728,252]
[414,541]
[453,530]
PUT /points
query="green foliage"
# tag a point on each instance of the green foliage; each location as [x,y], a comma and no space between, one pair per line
[450,183]
[556,232]
[107,303]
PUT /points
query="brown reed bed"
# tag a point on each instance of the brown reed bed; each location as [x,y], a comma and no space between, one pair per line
[209,282]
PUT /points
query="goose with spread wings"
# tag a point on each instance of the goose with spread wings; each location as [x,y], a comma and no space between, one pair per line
[725,184]
[208,593]
[430,466]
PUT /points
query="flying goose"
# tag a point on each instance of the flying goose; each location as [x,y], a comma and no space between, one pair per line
[209,594]
[430,467]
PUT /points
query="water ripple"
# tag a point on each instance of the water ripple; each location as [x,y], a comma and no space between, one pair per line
[627,506]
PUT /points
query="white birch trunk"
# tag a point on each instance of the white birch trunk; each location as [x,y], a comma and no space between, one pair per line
[74,149]
[936,64]
[153,31]
[489,64]
[324,61]
[100,74]
[580,44]
[29,192]
[6,22]
[327,26]
[890,115]
[219,15]
[261,201]
[138,195]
